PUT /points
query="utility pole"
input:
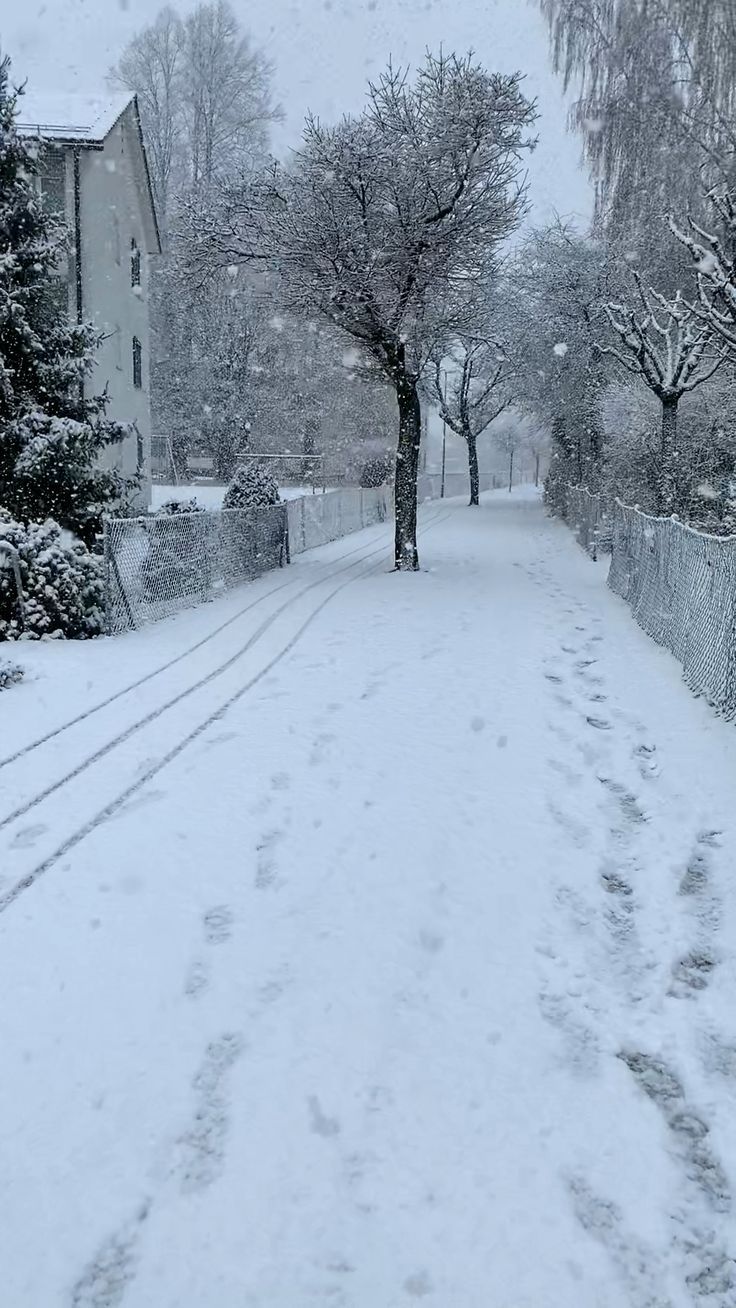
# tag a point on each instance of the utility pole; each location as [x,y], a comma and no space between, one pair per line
[444,433]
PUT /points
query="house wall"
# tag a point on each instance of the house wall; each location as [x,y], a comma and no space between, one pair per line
[111,216]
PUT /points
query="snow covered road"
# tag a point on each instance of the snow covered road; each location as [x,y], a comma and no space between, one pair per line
[378,950]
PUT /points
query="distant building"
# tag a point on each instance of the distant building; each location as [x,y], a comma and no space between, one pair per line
[94,170]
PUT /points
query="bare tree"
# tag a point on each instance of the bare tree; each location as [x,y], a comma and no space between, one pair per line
[205,97]
[480,372]
[510,439]
[152,67]
[389,226]
[669,348]
[206,108]
[225,95]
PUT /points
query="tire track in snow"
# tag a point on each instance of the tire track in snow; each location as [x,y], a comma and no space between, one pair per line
[155,767]
[156,672]
[22,809]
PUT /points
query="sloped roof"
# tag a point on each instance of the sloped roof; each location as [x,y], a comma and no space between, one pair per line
[87,120]
[62,116]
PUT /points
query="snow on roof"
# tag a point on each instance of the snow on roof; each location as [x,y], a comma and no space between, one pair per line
[70,117]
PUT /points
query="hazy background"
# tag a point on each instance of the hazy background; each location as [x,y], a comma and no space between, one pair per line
[323,52]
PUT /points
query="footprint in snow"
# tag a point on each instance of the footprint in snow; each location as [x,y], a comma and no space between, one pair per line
[218,924]
[320,1124]
[28,836]
[600,724]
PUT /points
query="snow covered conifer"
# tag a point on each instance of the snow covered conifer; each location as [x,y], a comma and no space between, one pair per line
[51,434]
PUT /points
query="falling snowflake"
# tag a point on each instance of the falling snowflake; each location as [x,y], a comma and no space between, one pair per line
[560,349]
[707,265]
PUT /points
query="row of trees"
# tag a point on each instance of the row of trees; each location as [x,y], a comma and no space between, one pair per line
[388,229]
[631,360]
[229,355]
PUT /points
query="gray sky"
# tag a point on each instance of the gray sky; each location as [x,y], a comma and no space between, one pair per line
[323,52]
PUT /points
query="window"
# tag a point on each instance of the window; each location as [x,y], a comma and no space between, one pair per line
[135,263]
[52,178]
[137,363]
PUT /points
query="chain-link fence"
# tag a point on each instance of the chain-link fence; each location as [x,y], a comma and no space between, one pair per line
[317,519]
[681,586]
[158,565]
[590,517]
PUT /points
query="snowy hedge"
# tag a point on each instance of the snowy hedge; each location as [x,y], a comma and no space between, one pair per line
[252,488]
[62,582]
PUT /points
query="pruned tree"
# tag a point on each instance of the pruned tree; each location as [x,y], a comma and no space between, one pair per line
[480,372]
[672,351]
[714,259]
[385,224]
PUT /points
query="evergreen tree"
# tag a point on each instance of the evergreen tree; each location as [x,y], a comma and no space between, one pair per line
[51,433]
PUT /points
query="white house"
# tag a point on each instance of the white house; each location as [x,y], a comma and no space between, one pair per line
[94,169]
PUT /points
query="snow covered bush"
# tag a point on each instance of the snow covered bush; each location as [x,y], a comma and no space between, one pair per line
[375,472]
[252,488]
[170,508]
[63,584]
[10,674]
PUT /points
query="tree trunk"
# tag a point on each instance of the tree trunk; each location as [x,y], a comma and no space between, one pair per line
[536,469]
[668,482]
[511,471]
[473,465]
[406,556]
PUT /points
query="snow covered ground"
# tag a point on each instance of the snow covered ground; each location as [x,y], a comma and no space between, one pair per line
[210,496]
[392,963]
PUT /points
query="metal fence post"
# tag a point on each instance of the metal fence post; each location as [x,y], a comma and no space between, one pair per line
[12,554]
[108,587]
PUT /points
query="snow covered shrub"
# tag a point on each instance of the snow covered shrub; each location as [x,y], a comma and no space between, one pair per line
[10,674]
[252,488]
[63,584]
[375,472]
[170,508]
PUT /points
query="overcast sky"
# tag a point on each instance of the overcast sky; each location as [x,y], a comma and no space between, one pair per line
[323,52]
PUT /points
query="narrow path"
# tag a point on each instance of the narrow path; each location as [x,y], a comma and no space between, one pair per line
[411,979]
